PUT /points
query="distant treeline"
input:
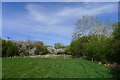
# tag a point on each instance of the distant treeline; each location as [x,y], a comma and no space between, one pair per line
[25,48]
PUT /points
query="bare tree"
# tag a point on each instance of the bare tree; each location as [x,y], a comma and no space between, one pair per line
[89,25]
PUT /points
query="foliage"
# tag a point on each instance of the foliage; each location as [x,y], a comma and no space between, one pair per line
[116,41]
[48,46]
[58,45]
[9,49]
[92,39]
[67,49]
[77,47]
[40,48]
[0,47]
[94,47]
[22,54]
[98,48]
[38,43]
[116,32]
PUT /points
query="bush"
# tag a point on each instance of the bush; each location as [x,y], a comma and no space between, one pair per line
[58,46]
[94,47]
[9,49]
[77,47]
[97,48]
[22,54]
[67,49]
[116,41]
[40,48]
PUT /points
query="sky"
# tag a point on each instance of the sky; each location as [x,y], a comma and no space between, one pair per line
[51,22]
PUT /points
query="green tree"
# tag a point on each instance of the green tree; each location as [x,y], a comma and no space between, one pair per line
[91,39]
[98,48]
[40,48]
[9,49]
[0,47]
[67,49]
[38,43]
[58,45]
[77,47]
[4,48]
[116,41]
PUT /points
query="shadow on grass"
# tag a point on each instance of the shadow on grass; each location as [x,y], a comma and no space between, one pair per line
[115,73]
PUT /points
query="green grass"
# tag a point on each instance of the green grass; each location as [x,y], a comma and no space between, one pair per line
[52,68]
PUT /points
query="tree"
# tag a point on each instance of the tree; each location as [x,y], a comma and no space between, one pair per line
[98,49]
[116,41]
[58,45]
[91,39]
[77,47]
[67,49]
[38,43]
[9,49]
[89,25]
[40,48]
[12,51]
[0,47]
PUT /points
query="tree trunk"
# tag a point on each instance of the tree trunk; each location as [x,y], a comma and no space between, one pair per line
[92,59]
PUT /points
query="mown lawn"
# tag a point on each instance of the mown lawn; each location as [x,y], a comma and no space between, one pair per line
[52,68]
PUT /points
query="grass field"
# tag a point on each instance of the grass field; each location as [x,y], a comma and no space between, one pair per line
[52,68]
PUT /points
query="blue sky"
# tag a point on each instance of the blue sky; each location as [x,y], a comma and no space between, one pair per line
[50,22]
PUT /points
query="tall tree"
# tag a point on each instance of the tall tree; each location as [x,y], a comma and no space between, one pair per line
[116,40]
[89,25]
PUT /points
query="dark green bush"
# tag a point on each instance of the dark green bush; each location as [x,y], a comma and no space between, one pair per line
[67,49]
[77,47]
[40,48]
[116,41]
[9,49]
[98,48]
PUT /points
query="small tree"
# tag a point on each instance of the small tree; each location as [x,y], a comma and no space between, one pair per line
[4,48]
[67,49]
[9,49]
[58,45]
[40,48]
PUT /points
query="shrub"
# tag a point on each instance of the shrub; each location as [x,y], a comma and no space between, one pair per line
[77,47]
[9,49]
[40,48]
[95,49]
[116,41]
[58,46]
[22,54]
[67,49]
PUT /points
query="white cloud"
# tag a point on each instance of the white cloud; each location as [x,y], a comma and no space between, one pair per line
[34,11]
[88,10]
[53,17]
